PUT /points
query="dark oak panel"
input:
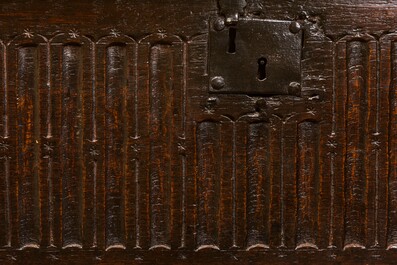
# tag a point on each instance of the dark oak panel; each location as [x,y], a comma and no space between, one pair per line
[113,150]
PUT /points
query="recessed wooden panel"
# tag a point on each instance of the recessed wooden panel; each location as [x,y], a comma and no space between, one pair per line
[113,150]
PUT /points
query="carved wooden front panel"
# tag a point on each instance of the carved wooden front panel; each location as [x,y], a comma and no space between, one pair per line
[113,148]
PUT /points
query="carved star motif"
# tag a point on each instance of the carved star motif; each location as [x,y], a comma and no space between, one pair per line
[53,257]
[48,147]
[311,110]
[94,152]
[28,33]
[181,148]
[135,148]
[114,33]
[332,144]
[208,110]
[74,34]
[4,146]
[162,33]
[11,257]
[376,143]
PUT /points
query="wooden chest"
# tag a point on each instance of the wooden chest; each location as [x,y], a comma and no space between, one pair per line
[194,132]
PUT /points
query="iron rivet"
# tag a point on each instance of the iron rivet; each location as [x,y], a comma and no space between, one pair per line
[303,15]
[260,104]
[295,27]
[294,89]
[218,82]
[219,24]
[212,101]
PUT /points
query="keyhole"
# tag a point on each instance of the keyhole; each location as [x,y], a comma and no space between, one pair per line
[262,68]
[232,40]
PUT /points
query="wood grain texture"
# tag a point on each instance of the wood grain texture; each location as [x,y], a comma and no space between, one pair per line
[113,150]
[258,186]
[308,185]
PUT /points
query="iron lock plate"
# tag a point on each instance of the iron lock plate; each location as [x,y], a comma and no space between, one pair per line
[256,56]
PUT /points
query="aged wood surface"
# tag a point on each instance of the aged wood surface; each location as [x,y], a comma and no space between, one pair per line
[115,151]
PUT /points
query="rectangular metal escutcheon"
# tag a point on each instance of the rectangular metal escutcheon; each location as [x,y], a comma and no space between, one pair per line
[260,57]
